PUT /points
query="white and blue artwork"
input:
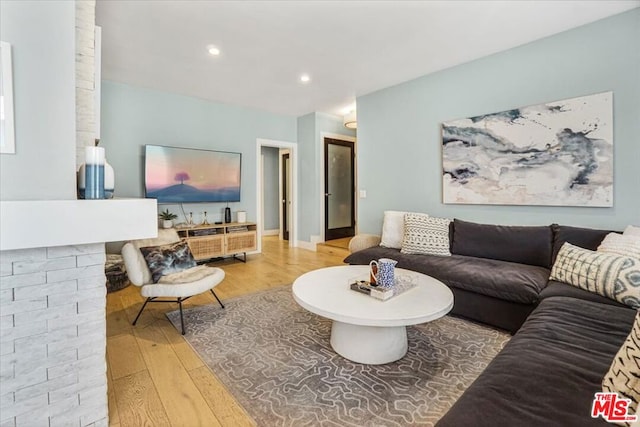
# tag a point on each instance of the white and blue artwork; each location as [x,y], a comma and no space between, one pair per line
[554,154]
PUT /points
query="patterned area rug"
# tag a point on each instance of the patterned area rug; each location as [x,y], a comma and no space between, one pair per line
[276,360]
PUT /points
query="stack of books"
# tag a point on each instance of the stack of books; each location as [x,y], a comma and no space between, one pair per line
[237,228]
[374,291]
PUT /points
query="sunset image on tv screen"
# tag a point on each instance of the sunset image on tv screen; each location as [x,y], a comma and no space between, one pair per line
[182,175]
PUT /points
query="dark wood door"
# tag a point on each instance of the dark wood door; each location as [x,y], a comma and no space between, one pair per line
[285,196]
[339,189]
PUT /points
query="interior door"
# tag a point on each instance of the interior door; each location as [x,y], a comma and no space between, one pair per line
[286,199]
[339,189]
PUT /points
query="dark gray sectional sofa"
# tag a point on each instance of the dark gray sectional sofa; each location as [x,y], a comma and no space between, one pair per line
[564,338]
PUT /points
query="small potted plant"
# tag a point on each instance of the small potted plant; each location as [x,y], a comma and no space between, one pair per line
[167,218]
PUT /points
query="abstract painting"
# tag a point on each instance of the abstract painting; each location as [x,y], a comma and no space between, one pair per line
[554,154]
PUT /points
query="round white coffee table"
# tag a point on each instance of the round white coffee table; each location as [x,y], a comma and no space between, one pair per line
[364,329]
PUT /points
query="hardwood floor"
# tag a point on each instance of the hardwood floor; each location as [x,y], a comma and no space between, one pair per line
[155,378]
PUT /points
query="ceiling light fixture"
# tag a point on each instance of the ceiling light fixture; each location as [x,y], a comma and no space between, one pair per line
[350,120]
[304,78]
[213,50]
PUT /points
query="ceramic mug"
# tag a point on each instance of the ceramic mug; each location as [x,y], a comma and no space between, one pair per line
[383,270]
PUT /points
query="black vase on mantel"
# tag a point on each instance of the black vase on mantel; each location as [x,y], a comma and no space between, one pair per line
[227,214]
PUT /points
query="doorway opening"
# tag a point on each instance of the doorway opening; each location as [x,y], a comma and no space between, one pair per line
[291,224]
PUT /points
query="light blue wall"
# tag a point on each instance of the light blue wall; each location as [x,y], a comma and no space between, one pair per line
[310,141]
[133,117]
[42,35]
[399,142]
[308,202]
[271,194]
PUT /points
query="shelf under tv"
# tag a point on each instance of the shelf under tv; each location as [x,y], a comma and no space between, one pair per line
[210,242]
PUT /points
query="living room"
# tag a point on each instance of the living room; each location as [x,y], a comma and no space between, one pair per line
[399,166]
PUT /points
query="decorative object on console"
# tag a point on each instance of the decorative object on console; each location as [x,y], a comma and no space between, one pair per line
[167,259]
[425,235]
[554,154]
[613,276]
[242,216]
[623,376]
[167,218]
[393,229]
[227,214]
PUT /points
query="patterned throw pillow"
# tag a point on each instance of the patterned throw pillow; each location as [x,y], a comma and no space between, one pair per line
[167,259]
[425,235]
[624,374]
[626,245]
[610,275]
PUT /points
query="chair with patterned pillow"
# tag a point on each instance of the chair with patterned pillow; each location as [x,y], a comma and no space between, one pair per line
[166,271]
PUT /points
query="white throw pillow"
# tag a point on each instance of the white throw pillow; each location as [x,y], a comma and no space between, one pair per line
[626,245]
[632,230]
[392,229]
[425,235]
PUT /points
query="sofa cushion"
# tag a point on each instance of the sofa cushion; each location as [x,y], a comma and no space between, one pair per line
[425,235]
[519,283]
[587,238]
[522,244]
[613,276]
[548,372]
[559,289]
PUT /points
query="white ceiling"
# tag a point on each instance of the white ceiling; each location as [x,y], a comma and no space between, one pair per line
[349,48]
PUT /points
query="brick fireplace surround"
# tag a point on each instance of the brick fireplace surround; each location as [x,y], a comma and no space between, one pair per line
[52,307]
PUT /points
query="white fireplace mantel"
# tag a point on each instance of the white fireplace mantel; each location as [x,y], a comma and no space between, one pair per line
[49,223]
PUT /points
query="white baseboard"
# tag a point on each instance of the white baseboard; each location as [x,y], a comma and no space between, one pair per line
[271,232]
[306,245]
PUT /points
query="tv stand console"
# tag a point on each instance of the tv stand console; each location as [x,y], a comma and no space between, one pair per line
[220,240]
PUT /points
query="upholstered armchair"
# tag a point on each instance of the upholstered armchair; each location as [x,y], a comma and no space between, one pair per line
[176,284]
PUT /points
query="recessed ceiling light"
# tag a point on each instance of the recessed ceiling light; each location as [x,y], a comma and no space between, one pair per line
[213,50]
[304,78]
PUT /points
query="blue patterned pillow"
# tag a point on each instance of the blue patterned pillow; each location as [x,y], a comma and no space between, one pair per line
[610,275]
[167,259]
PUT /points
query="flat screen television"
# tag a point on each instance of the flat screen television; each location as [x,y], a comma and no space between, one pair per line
[187,175]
